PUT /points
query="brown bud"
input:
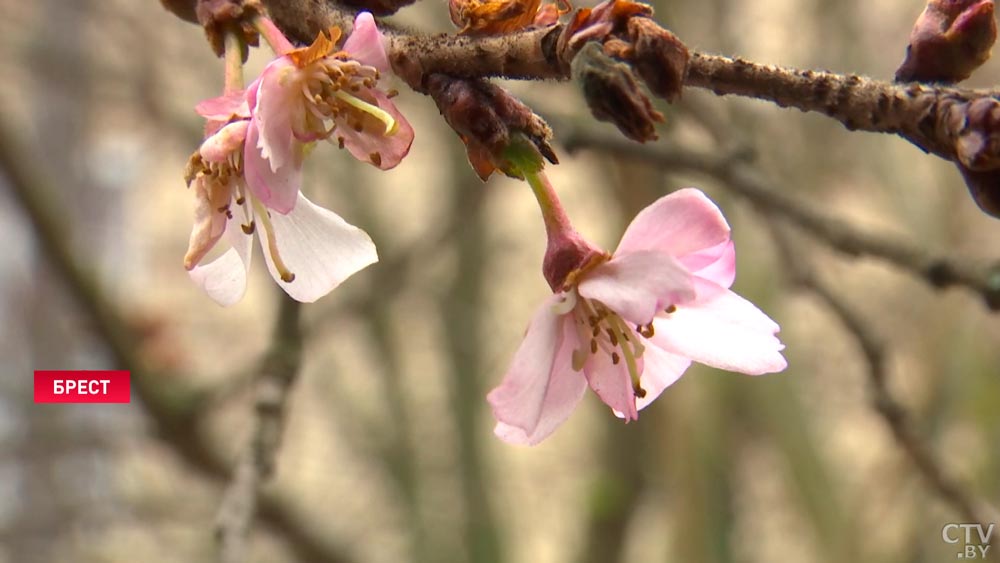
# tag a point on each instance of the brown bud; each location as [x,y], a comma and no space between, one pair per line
[613,94]
[984,187]
[978,146]
[485,116]
[659,57]
[218,16]
[950,40]
[184,9]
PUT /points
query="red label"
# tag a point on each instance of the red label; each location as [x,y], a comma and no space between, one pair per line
[82,386]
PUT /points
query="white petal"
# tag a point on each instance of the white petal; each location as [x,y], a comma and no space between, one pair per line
[723,331]
[225,278]
[319,247]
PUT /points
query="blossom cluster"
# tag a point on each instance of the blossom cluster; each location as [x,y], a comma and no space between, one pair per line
[247,174]
[626,324]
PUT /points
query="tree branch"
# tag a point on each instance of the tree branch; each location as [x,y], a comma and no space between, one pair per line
[939,270]
[891,411]
[274,381]
[174,408]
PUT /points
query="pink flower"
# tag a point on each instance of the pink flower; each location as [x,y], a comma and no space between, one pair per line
[316,93]
[629,324]
[308,250]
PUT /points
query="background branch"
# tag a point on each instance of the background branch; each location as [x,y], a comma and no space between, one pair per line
[256,465]
[937,269]
[174,408]
[889,409]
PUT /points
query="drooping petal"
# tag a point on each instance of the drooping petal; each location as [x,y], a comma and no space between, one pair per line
[276,190]
[225,278]
[278,96]
[226,141]
[210,218]
[372,139]
[612,383]
[716,264]
[677,224]
[661,370]
[723,330]
[319,247]
[540,389]
[365,43]
[638,284]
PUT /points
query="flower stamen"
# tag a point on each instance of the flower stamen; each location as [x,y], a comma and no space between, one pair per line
[272,244]
[391,126]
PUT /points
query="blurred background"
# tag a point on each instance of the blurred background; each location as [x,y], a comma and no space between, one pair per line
[388,454]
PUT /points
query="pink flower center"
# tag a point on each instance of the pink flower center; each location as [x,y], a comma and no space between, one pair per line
[338,89]
[603,331]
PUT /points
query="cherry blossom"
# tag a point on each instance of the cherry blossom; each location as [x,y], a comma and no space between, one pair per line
[308,250]
[316,93]
[629,324]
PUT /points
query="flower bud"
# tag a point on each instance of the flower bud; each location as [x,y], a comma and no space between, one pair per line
[949,41]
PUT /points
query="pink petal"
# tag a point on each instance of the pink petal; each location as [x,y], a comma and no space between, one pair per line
[365,43]
[723,330]
[224,107]
[226,141]
[278,95]
[319,247]
[661,370]
[276,190]
[225,278]
[540,389]
[716,264]
[612,383]
[638,284]
[391,148]
[678,224]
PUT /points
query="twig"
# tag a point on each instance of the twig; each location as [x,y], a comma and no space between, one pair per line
[173,407]
[935,118]
[885,404]
[937,269]
[274,381]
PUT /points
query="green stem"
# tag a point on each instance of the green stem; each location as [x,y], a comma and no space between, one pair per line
[553,214]
[234,62]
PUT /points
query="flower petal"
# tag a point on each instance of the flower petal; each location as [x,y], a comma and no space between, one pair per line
[276,190]
[225,278]
[612,383]
[224,107]
[319,247]
[677,224]
[661,370]
[716,264]
[638,284]
[278,95]
[209,219]
[226,141]
[365,43]
[540,389]
[390,148]
[723,330]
